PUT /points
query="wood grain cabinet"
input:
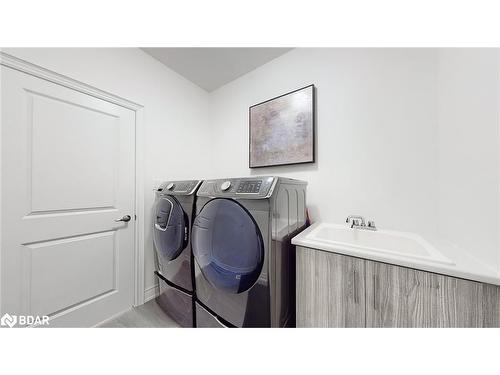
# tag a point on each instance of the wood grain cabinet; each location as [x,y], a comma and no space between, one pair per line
[330,290]
[403,297]
[340,291]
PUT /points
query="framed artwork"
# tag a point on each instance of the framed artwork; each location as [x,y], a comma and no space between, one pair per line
[282,130]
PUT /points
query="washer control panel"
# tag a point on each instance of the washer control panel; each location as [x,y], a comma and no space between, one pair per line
[179,187]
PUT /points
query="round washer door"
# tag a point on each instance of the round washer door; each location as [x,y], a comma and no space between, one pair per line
[227,245]
[170,229]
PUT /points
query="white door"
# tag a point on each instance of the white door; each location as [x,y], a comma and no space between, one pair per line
[68,165]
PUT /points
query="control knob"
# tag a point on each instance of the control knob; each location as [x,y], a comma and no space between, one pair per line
[225,185]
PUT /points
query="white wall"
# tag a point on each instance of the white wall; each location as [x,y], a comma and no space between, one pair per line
[376,131]
[469,159]
[407,137]
[175,111]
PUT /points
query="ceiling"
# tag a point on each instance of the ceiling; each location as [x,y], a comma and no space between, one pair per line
[211,68]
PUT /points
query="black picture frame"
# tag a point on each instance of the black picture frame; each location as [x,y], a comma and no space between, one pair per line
[313,129]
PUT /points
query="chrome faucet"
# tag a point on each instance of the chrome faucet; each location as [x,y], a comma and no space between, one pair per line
[355,220]
[358,222]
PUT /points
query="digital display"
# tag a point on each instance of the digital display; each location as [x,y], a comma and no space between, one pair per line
[251,187]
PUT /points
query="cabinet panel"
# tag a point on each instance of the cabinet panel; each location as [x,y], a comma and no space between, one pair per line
[402,297]
[459,303]
[384,286]
[330,290]
[491,305]
[340,291]
[312,289]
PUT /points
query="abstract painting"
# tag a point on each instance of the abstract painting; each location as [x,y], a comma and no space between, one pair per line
[282,129]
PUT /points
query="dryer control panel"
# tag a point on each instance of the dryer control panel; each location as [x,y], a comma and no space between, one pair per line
[248,188]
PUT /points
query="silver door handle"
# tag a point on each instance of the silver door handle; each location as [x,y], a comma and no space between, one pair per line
[125,219]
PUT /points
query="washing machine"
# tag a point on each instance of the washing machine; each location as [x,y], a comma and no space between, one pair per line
[244,261]
[172,220]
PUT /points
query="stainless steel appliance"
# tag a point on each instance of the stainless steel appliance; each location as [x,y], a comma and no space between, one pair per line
[244,261]
[173,212]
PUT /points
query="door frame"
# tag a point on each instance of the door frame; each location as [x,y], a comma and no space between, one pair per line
[62,80]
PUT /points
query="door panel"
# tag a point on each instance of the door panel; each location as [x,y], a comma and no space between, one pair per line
[91,258]
[68,164]
[61,134]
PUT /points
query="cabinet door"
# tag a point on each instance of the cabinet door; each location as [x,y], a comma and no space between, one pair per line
[402,297]
[491,305]
[330,290]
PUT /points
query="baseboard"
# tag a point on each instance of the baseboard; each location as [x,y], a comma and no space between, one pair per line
[151,292]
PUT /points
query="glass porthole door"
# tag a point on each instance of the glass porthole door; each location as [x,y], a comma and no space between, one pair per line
[227,245]
[170,228]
